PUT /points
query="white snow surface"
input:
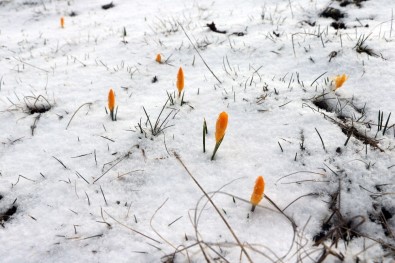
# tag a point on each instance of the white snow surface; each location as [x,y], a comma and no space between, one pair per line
[89,189]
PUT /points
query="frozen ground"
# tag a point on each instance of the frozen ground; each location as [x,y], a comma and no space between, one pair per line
[78,187]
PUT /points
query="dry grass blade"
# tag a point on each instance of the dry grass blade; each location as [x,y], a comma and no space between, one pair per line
[156,232]
[215,207]
[88,103]
[138,232]
[199,54]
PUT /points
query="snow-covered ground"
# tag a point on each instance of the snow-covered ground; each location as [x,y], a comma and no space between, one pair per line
[78,187]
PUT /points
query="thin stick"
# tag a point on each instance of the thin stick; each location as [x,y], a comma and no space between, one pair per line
[280,147]
[89,202]
[133,229]
[103,195]
[20,60]
[156,232]
[79,175]
[111,167]
[323,145]
[215,207]
[88,103]
[198,53]
[174,221]
[60,162]
[386,123]
[204,135]
[318,78]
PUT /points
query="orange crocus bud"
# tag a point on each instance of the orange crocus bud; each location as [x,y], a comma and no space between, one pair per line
[111,100]
[339,80]
[257,195]
[158,58]
[111,103]
[220,128]
[180,81]
[62,22]
[222,123]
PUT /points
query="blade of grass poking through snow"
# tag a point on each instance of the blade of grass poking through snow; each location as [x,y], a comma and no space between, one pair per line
[323,145]
[204,135]
[378,122]
[182,99]
[170,98]
[215,207]
[386,123]
[318,78]
[159,125]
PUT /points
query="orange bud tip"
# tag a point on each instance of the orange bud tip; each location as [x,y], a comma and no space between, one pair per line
[222,123]
[111,100]
[257,194]
[62,22]
[253,208]
[339,81]
[180,81]
[158,58]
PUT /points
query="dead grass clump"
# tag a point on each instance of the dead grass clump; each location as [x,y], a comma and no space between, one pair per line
[333,13]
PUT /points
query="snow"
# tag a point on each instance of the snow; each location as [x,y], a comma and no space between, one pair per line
[88,189]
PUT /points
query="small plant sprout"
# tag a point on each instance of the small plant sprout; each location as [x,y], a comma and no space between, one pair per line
[62,22]
[257,194]
[339,81]
[111,104]
[205,131]
[158,58]
[180,81]
[222,123]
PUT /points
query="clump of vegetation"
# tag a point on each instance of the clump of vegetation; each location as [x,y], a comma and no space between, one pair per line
[361,47]
[333,13]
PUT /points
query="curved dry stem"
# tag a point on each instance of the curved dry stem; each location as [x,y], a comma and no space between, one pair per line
[128,227]
[156,232]
[309,172]
[215,207]
[88,103]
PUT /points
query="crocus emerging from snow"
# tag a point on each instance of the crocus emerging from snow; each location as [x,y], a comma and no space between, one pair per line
[220,128]
[158,58]
[62,22]
[339,80]
[257,194]
[180,81]
[111,103]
